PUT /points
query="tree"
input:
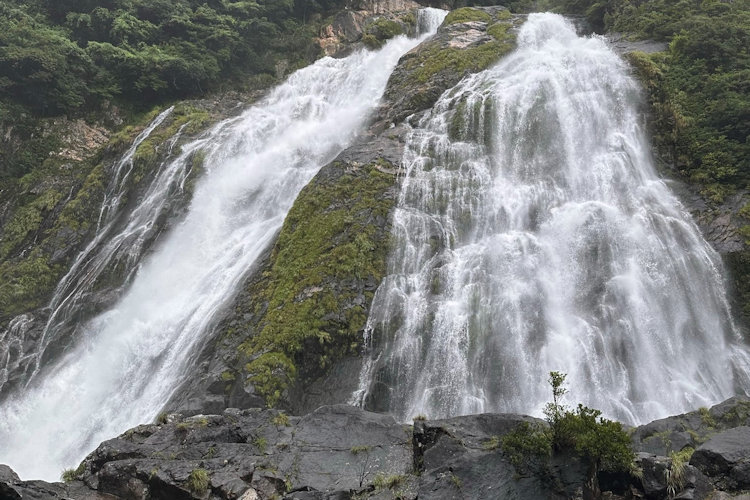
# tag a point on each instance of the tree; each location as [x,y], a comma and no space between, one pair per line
[601,443]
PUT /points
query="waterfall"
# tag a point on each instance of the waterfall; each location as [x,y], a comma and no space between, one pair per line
[532,234]
[130,359]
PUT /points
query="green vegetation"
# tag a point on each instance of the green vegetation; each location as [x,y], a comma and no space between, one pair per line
[526,445]
[198,481]
[65,55]
[456,481]
[261,443]
[706,419]
[491,444]
[356,450]
[601,443]
[435,58]
[379,31]
[69,475]
[25,284]
[184,117]
[383,482]
[191,423]
[281,420]
[466,14]
[311,321]
[675,474]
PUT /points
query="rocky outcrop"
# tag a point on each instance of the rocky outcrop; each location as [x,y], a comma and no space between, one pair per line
[672,434]
[725,458]
[368,23]
[342,452]
[699,455]
[469,41]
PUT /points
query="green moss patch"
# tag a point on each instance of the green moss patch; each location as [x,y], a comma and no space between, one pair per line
[25,284]
[436,58]
[439,64]
[466,14]
[332,241]
[381,30]
[188,118]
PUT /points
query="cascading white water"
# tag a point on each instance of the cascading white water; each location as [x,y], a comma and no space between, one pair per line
[532,234]
[102,251]
[132,357]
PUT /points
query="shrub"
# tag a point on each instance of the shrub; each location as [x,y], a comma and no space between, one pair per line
[281,420]
[601,443]
[198,481]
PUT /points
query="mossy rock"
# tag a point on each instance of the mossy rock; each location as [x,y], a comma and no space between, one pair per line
[467,14]
[486,34]
[185,119]
[383,29]
[311,305]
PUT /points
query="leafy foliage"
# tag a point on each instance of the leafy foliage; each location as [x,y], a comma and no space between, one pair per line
[57,56]
[527,444]
[602,443]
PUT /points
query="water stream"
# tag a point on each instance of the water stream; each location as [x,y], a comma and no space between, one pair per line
[533,234]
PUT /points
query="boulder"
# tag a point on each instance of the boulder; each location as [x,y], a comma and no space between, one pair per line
[253,454]
[725,458]
[672,434]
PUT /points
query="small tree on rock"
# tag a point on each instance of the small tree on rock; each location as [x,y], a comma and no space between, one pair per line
[602,444]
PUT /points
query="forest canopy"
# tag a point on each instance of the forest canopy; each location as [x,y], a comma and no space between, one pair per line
[57,56]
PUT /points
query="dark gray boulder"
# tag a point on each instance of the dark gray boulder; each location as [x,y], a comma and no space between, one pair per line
[725,458]
[253,454]
[672,434]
